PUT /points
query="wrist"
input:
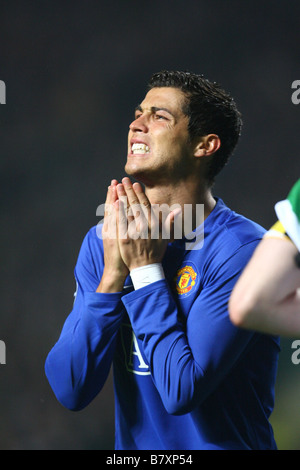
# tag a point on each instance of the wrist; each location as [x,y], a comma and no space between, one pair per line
[143,275]
[111,281]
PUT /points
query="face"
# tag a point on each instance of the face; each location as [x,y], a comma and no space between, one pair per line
[159,148]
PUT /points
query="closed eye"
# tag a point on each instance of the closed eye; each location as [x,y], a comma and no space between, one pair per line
[158,113]
[160,116]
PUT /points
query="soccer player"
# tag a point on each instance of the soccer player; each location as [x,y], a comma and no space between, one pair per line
[267,296]
[156,305]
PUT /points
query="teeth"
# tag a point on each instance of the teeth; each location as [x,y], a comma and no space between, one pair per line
[140,149]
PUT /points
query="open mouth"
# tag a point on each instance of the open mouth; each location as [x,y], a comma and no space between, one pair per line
[140,149]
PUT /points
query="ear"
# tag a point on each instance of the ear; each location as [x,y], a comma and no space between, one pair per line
[208,145]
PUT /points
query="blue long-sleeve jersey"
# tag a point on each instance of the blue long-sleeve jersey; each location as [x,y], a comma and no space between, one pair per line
[184,377]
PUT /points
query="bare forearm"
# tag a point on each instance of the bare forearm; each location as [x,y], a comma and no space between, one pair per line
[281,318]
[266,297]
[111,282]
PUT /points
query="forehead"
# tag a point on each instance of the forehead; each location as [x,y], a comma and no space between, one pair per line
[165,97]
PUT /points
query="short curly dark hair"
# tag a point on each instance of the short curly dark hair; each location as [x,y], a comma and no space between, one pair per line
[211,110]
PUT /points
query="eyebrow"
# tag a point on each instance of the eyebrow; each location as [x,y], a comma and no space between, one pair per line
[154,109]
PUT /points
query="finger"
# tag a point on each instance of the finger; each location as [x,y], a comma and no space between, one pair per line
[141,210]
[109,221]
[110,195]
[120,191]
[113,194]
[145,217]
[113,191]
[121,219]
[130,193]
[114,183]
[127,209]
[142,199]
[108,202]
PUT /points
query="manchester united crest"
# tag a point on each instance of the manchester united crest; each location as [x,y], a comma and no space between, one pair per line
[186,279]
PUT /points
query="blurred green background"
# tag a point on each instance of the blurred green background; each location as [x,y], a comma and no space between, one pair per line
[74,72]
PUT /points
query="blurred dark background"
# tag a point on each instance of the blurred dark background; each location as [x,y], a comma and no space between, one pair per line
[74,71]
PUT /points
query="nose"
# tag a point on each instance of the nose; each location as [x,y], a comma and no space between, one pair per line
[139,124]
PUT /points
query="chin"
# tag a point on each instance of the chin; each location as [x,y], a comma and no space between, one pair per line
[139,174]
[129,169]
[133,168]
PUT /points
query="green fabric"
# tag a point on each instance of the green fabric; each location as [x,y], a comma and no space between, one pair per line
[288,212]
[294,198]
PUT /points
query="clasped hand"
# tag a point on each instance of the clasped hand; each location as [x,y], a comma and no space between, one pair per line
[135,232]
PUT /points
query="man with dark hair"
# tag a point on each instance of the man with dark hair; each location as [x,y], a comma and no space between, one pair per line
[208,107]
[154,303]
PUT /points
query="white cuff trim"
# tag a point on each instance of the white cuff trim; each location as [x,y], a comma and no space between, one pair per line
[145,275]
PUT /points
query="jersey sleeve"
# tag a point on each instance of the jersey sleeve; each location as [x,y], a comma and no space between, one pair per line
[189,358]
[288,213]
[79,363]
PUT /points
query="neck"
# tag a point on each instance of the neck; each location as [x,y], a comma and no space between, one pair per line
[190,193]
